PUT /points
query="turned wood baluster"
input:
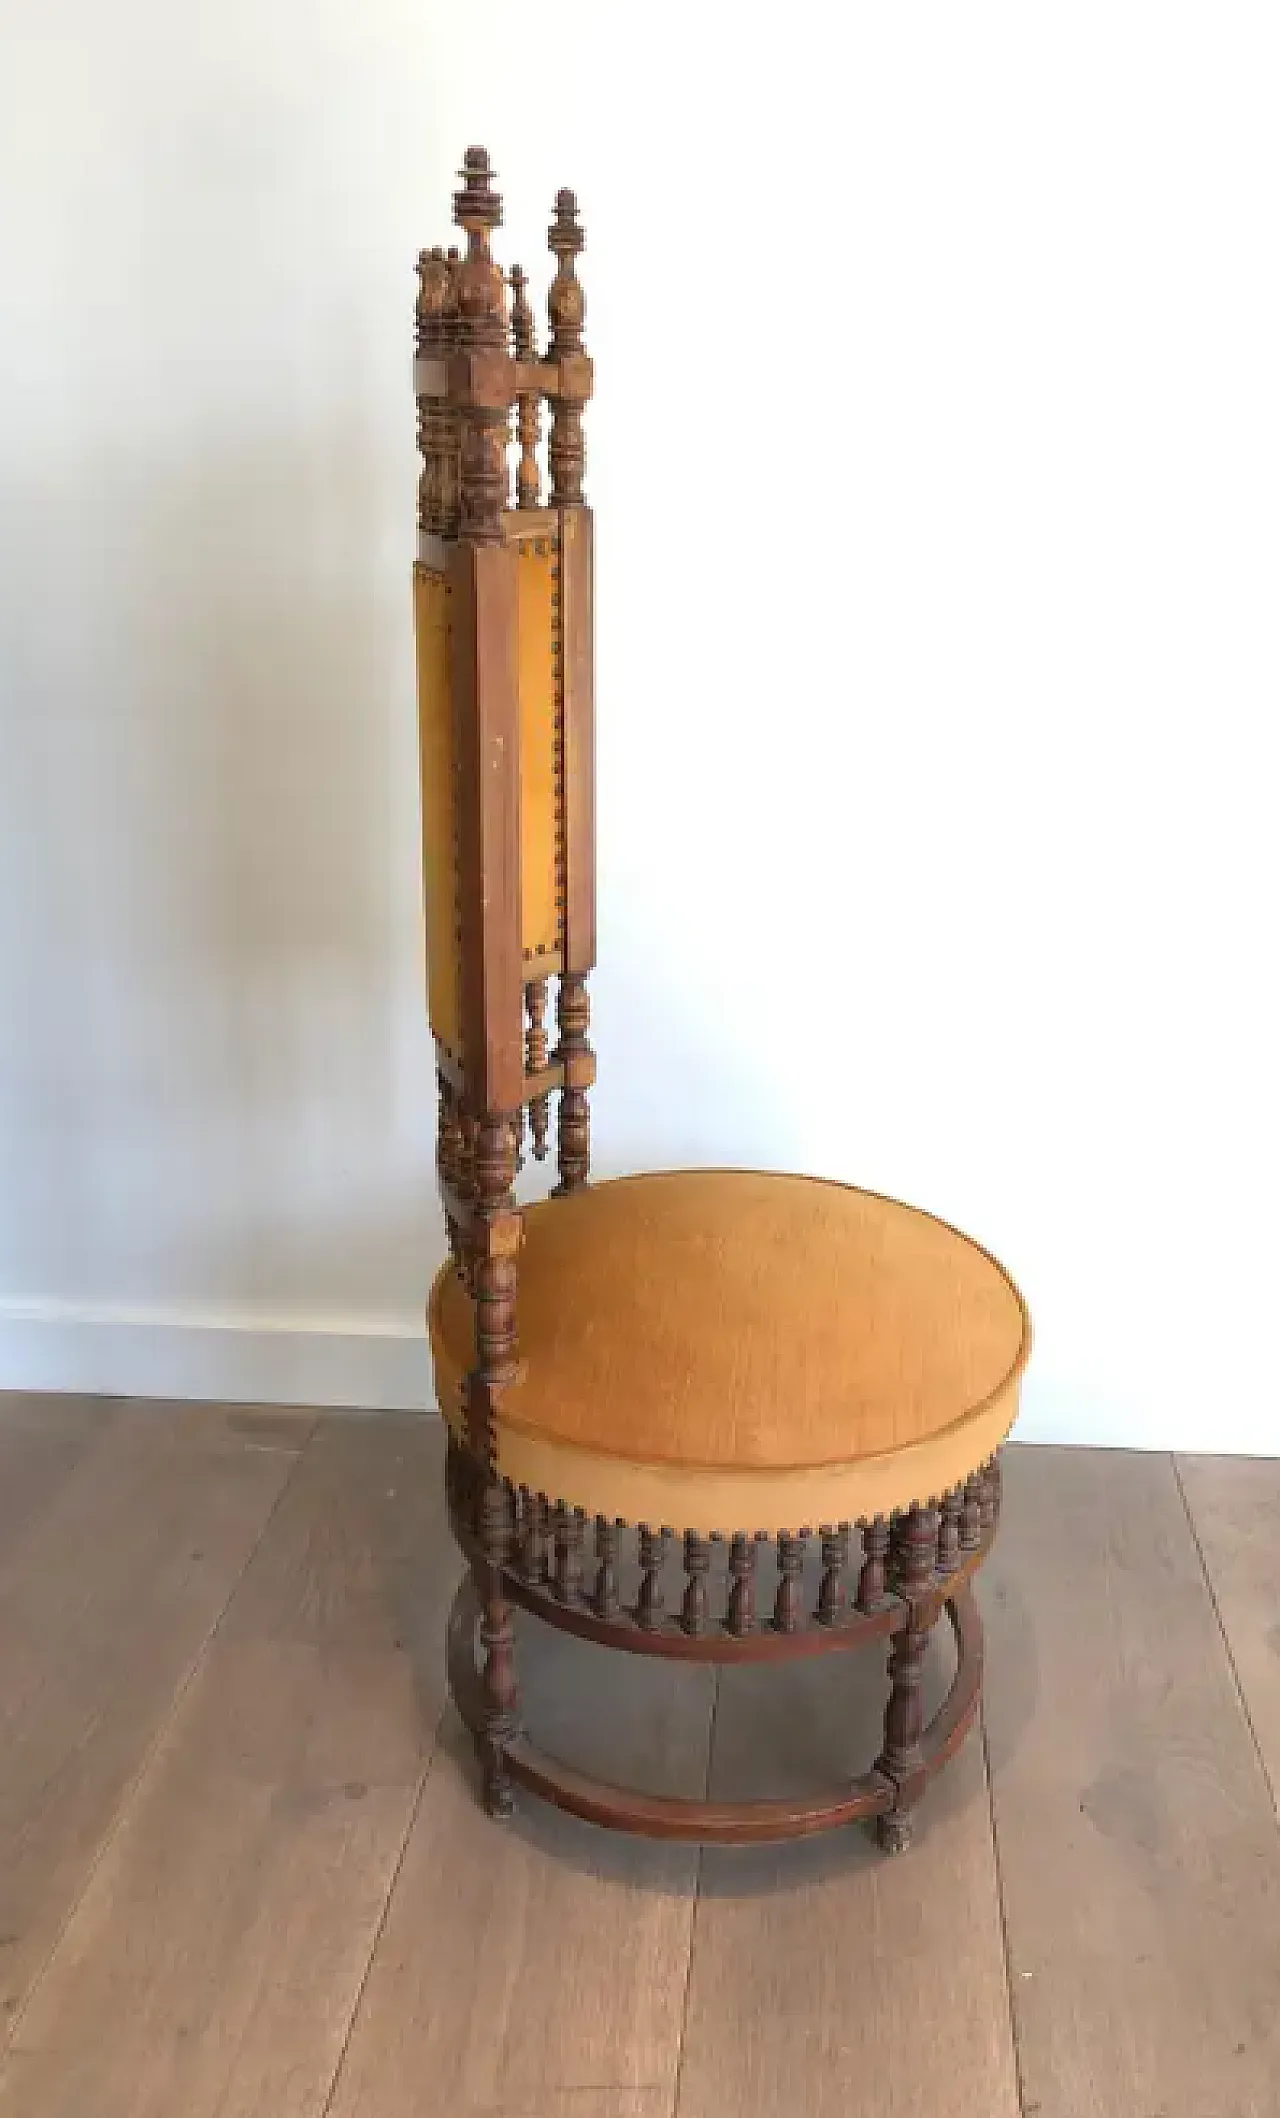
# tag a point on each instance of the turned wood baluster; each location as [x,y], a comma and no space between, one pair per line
[482,327]
[835,1558]
[528,491]
[990,1476]
[695,1610]
[604,1599]
[535,1059]
[971,1515]
[569,1534]
[653,1552]
[573,1052]
[534,1563]
[438,429]
[741,1618]
[493,1276]
[949,1531]
[566,307]
[913,1549]
[788,1604]
[875,1552]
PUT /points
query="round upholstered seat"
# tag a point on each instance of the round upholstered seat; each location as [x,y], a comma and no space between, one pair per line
[724,1350]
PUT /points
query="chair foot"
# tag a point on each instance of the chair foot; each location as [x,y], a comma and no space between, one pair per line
[895,1831]
[499,1799]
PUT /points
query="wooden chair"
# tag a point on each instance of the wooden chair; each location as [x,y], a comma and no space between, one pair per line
[740,1361]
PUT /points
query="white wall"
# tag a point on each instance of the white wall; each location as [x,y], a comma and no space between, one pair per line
[938,350]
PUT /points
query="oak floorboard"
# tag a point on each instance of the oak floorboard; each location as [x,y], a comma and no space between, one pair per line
[106,1602]
[1138,1849]
[827,1977]
[1235,1512]
[536,1969]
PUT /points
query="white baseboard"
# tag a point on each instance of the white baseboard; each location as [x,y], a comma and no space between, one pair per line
[241,1360]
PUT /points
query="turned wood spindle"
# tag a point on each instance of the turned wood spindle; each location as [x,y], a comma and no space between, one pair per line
[653,1552]
[569,1531]
[438,427]
[872,1581]
[971,1515]
[990,1477]
[528,484]
[493,1280]
[566,307]
[604,1598]
[534,1561]
[913,1549]
[835,1558]
[573,1052]
[695,1609]
[949,1531]
[482,327]
[741,1618]
[788,1604]
[535,1059]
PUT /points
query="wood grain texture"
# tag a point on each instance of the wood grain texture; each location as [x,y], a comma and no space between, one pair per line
[41,1441]
[537,1970]
[246,1884]
[1234,1503]
[826,1979]
[251,1873]
[1138,1846]
[105,1605]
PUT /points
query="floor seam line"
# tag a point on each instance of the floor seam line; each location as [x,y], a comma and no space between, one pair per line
[1224,1636]
[402,1851]
[1019,2078]
[677,2087]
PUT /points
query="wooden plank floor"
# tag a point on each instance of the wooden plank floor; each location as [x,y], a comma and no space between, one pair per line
[243,1873]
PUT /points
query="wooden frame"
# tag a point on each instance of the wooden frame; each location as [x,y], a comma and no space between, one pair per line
[477,370]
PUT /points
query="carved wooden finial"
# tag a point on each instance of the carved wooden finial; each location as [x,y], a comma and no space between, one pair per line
[528,493]
[566,307]
[481,327]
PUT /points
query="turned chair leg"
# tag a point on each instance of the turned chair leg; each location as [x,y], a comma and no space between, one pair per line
[913,1545]
[501,1697]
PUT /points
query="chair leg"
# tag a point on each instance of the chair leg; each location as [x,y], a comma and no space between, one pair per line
[913,1545]
[501,1696]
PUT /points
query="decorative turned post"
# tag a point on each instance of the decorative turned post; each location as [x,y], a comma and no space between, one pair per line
[573,1052]
[653,1552]
[533,1553]
[568,1543]
[566,307]
[788,1604]
[872,1579]
[438,430]
[949,1532]
[528,487]
[604,1598]
[913,1548]
[990,1476]
[494,1288]
[741,1618]
[535,1059]
[835,1558]
[971,1516]
[694,1611]
[482,328]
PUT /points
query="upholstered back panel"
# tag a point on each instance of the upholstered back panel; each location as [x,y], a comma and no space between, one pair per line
[539,765]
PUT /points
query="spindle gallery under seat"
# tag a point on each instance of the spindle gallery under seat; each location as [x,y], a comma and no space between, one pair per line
[671,1362]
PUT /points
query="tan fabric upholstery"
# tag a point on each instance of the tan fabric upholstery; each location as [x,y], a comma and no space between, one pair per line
[724,1350]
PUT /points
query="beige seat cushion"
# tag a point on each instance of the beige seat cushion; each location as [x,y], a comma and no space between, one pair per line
[722,1350]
